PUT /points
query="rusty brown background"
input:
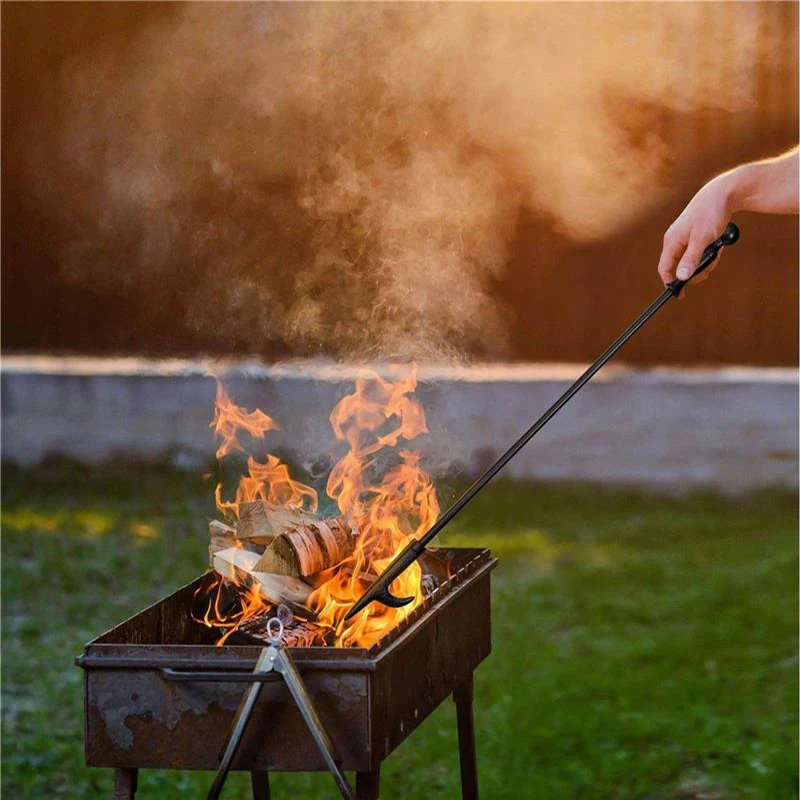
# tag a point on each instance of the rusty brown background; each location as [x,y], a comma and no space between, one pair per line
[564,307]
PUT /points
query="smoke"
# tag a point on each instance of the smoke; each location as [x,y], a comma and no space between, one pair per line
[347,178]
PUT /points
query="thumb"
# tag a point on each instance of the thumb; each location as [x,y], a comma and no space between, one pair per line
[691,258]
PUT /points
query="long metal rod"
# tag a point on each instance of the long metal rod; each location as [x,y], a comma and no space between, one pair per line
[380,588]
[604,358]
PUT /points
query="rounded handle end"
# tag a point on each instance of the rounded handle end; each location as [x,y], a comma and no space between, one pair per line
[730,235]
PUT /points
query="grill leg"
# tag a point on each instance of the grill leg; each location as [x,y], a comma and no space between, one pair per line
[259,779]
[125,781]
[367,785]
[466,740]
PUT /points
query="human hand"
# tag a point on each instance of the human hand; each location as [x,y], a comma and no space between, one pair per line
[700,223]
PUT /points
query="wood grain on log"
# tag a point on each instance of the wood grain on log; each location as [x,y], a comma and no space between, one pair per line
[309,549]
[260,521]
[239,565]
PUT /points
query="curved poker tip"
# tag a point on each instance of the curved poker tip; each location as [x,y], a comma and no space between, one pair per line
[378,591]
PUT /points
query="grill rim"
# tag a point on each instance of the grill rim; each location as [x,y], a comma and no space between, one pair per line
[129,655]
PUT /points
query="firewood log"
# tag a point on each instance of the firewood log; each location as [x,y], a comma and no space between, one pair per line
[260,522]
[308,549]
[234,563]
[220,529]
[279,558]
[239,565]
[221,537]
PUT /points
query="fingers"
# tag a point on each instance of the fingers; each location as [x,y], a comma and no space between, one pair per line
[691,257]
[682,251]
[675,241]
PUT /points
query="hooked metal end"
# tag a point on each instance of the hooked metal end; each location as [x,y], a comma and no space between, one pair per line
[382,595]
[380,589]
[388,599]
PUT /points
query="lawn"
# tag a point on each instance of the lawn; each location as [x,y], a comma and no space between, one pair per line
[644,646]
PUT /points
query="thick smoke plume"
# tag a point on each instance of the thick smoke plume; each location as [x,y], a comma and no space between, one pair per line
[346,178]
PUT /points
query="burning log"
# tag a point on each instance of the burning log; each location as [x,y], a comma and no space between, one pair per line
[260,522]
[308,549]
[223,537]
[239,565]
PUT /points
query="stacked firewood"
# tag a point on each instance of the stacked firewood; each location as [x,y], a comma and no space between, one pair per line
[279,551]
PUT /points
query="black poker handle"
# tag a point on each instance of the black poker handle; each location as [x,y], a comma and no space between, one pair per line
[729,236]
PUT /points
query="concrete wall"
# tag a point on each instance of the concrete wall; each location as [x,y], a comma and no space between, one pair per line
[734,428]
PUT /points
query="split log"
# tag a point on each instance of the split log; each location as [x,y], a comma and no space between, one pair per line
[221,530]
[239,566]
[222,537]
[260,522]
[308,549]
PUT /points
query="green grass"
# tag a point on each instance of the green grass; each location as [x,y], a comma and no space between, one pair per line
[644,646]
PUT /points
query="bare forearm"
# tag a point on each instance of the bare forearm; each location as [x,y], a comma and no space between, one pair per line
[768,187]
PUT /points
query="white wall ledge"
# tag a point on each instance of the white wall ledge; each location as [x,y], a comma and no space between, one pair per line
[325,370]
[732,428]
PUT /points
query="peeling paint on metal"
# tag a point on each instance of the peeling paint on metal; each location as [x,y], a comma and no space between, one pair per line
[153,697]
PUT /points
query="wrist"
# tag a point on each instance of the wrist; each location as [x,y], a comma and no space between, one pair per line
[734,190]
[743,184]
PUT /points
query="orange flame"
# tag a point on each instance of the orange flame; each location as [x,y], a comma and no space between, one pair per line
[268,480]
[229,419]
[249,604]
[265,480]
[386,510]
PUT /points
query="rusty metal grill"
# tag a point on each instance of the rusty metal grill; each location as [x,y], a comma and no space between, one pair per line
[370,700]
